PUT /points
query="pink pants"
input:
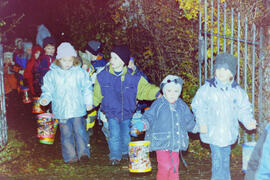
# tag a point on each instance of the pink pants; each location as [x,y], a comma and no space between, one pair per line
[167,164]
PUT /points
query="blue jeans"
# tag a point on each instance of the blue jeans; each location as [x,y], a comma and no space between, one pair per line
[119,138]
[220,162]
[73,133]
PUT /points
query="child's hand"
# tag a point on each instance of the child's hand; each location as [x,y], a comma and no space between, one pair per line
[159,96]
[252,125]
[43,102]
[21,72]
[89,107]
[137,128]
[203,129]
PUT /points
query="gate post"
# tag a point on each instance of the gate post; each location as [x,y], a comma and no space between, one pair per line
[266,80]
[3,120]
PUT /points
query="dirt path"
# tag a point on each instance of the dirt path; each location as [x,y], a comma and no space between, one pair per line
[40,161]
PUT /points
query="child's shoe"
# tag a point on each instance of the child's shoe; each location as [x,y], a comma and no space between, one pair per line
[84,158]
[72,161]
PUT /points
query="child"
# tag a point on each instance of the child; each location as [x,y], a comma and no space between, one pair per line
[95,57]
[10,81]
[117,88]
[218,105]
[42,65]
[28,73]
[68,86]
[21,61]
[167,124]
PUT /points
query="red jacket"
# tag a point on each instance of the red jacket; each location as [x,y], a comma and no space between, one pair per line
[28,74]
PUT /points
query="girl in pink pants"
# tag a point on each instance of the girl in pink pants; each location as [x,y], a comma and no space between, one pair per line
[166,123]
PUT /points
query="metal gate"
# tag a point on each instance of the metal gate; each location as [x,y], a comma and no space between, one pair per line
[3,120]
[245,43]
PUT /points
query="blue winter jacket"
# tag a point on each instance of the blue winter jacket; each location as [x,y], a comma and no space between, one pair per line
[168,125]
[118,93]
[68,90]
[220,107]
[258,165]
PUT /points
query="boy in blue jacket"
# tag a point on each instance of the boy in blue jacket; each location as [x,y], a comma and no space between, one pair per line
[117,88]
[218,106]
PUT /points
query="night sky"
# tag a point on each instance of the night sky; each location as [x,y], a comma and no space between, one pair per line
[36,12]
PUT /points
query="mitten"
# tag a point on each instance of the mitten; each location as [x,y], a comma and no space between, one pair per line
[137,128]
[139,125]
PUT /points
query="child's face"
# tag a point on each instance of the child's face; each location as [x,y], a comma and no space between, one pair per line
[91,56]
[224,75]
[49,50]
[19,44]
[172,93]
[131,65]
[7,60]
[28,51]
[66,62]
[116,62]
[37,54]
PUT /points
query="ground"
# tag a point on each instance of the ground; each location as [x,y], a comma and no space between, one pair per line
[27,158]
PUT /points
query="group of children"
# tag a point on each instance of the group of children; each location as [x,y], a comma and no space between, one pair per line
[65,82]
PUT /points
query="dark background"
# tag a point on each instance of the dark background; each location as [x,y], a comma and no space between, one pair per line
[36,12]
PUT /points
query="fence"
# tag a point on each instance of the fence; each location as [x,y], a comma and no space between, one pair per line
[245,45]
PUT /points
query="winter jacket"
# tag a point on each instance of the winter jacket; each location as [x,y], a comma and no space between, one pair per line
[68,90]
[258,165]
[21,60]
[99,62]
[220,107]
[28,72]
[118,94]
[10,81]
[168,125]
[41,67]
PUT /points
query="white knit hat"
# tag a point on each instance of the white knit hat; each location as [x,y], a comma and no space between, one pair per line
[65,49]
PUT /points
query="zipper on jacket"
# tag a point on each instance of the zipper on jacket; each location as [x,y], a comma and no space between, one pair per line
[122,98]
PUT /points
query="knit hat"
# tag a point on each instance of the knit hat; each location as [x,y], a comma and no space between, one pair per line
[65,49]
[17,40]
[227,61]
[8,55]
[49,40]
[171,80]
[93,47]
[27,45]
[123,52]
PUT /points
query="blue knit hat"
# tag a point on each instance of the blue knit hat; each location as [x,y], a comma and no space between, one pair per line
[93,47]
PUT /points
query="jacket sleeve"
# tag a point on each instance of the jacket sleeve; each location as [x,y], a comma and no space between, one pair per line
[147,91]
[188,118]
[199,105]
[258,165]
[47,89]
[149,116]
[87,89]
[97,96]
[245,114]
